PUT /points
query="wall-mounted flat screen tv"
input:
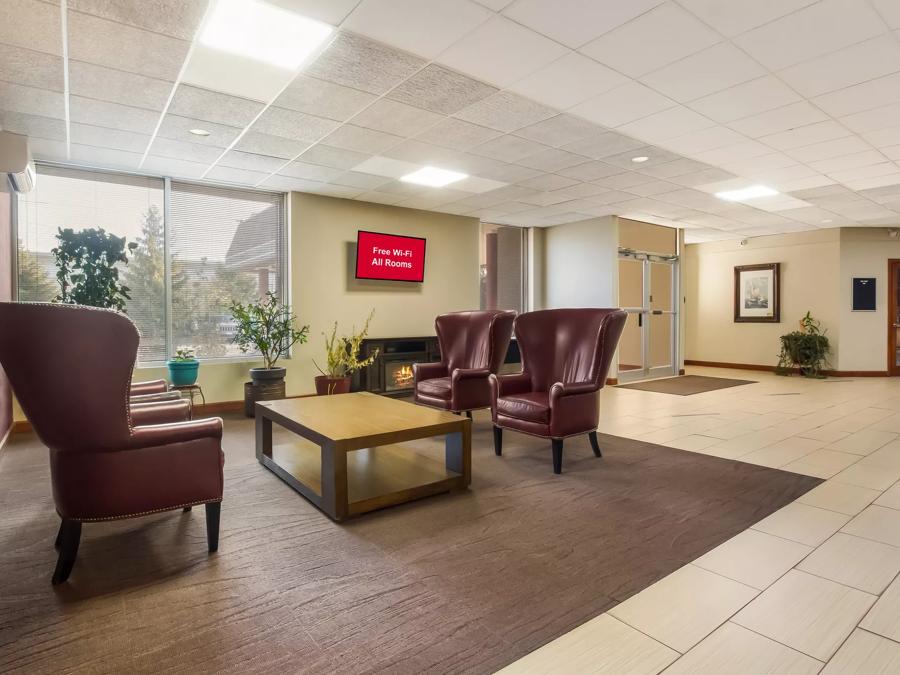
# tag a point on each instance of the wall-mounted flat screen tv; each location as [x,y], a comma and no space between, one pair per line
[390,257]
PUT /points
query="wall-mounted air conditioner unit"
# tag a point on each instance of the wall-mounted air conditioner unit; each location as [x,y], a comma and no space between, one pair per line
[16,162]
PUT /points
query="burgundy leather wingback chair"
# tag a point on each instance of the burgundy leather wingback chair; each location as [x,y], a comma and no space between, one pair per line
[70,368]
[566,355]
[473,345]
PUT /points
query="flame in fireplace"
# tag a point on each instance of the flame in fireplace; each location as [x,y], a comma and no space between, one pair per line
[403,376]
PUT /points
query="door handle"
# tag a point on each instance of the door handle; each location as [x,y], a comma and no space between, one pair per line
[640,320]
[657,312]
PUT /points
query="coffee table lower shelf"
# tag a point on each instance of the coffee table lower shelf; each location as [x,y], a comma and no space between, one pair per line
[376,477]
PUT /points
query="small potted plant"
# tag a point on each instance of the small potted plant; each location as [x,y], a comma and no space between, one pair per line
[342,360]
[806,349]
[183,366]
[267,327]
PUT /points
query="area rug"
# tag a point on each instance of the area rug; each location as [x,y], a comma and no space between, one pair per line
[466,582]
[686,385]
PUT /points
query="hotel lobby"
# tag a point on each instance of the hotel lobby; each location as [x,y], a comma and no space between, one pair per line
[450,336]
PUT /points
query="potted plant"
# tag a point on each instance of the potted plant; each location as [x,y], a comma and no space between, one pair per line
[183,366]
[342,360]
[267,327]
[806,349]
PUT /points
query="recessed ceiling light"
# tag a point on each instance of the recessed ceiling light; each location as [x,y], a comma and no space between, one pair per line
[263,32]
[433,177]
[827,220]
[742,195]
[199,132]
[639,159]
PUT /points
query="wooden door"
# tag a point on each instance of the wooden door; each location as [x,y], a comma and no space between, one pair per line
[894,317]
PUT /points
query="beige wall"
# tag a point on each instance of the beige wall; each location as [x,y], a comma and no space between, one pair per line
[324,290]
[810,280]
[580,264]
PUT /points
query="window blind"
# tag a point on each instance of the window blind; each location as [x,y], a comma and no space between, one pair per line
[224,245]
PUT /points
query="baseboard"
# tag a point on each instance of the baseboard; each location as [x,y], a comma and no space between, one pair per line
[771,369]
[612,381]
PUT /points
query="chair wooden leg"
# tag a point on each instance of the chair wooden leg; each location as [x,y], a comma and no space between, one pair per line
[213,509]
[557,454]
[469,414]
[69,538]
[498,440]
[594,444]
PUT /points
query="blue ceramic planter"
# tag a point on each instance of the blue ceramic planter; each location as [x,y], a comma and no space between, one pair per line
[183,373]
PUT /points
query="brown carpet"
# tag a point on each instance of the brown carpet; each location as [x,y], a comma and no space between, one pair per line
[686,385]
[465,582]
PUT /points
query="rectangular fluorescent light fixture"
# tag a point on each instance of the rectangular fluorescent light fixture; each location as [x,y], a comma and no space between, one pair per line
[742,195]
[263,32]
[433,177]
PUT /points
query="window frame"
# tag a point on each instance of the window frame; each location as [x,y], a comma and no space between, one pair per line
[284,287]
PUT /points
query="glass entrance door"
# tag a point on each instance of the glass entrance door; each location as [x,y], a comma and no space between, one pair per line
[648,292]
[894,318]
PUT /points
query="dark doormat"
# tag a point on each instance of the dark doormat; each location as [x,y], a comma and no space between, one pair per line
[686,385]
[457,583]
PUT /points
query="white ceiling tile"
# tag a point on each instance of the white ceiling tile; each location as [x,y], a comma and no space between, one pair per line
[873,120]
[623,104]
[365,181]
[508,148]
[654,156]
[509,173]
[33,125]
[112,115]
[480,185]
[104,158]
[880,91]
[506,112]
[780,119]
[376,197]
[704,73]
[168,148]
[584,190]
[396,118]
[288,184]
[31,100]
[385,166]
[106,43]
[666,124]
[324,99]
[865,171]
[806,135]
[604,144]
[423,27]
[310,172]
[890,12]
[672,32]
[501,52]
[176,18]
[859,63]
[702,178]
[31,24]
[115,86]
[233,74]
[293,125]
[828,149]
[351,137]
[251,161]
[883,137]
[575,22]
[356,62]
[457,134]
[804,183]
[652,188]
[203,104]
[568,81]
[733,153]
[732,17]
[440,90]
[621,181]
[774,164]
[746,99]
[811,32]
[558,131]
[101,137]
[552,159]
[30,68]
[891,152]
[173,167]
[545,182]
[705,139]
[836,163]
[875,182]
[422,153]
[269,144]
[227,174]
[590,171]
[337,158]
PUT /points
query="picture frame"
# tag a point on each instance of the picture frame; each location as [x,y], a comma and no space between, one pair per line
[757,293]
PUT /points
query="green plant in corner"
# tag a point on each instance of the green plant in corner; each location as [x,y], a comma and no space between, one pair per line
[342,353]
[87,268]
[266,326]
[806,349]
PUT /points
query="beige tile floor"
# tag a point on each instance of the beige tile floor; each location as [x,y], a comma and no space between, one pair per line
[812,588]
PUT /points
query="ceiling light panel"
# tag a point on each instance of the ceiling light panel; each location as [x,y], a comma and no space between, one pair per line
[747,193]
[432,176]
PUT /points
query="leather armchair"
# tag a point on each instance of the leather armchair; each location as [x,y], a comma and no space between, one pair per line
[70,368]
[566,355]
[473,345]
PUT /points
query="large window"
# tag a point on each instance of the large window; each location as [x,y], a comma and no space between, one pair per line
[217,245]
[502,267]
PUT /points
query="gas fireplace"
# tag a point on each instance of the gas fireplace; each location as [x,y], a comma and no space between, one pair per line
[392,372]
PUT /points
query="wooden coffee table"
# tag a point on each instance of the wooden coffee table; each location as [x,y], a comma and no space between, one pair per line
[347,456]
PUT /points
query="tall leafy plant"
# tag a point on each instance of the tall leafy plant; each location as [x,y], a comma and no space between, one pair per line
[342,352]
[806,349]
[266,326]
[87,268]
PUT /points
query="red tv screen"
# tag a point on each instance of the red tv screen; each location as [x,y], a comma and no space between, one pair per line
[389,256]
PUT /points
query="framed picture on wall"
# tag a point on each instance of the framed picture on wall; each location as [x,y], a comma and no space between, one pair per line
[757,293]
